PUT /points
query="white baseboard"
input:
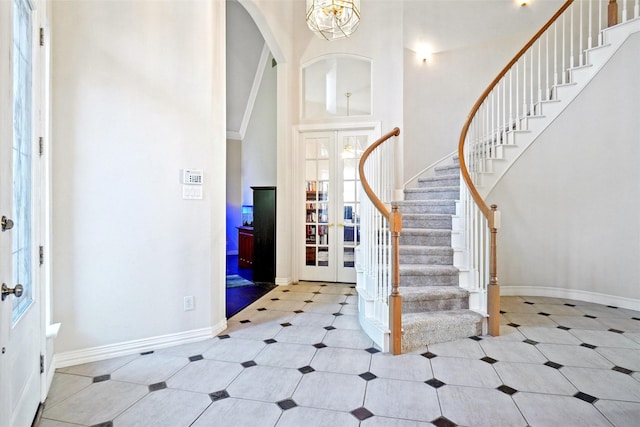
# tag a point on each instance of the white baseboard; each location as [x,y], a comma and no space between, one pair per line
[282,281]
[94,354]
[594,297]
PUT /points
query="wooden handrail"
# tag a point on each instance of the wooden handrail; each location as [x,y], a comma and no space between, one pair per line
[491,213]
[395,226]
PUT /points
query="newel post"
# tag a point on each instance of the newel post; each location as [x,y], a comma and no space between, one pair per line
[493,290]
[613,13]
[395,300]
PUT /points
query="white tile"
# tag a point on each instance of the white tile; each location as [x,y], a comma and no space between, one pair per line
[234,350]
[346,338]
[512,351]
[577,322]
[620,413]
[623,357]
[265,383]
[329,298]
[573,355]
[313,319]
[150,369]
[548,335]
[534,378]
[410,367]
[341,361]
[350,309]
[293,296]
[459,348]
[98,403]
[347,322]
[305,287]
[325,390]
[621,323]
[256,331]
[284,305]
[600,310]
[530,319]
[558,410]
[478,407]
[392,422]
[338,289]
[205,376]
[322,307]
[232,412]
[301,334]
[165,408]
[604,383]
[51,423]
[468,372]
[286,355]
[312,417]
[102,367]
[191,349]
[605,339]
[409,400]
[65,385]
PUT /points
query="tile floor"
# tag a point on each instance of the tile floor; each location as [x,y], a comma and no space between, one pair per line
[297,357]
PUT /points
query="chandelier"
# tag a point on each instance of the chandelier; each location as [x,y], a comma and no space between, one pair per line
[333,19]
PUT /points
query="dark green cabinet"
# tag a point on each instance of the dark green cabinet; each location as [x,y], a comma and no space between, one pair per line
[264,234]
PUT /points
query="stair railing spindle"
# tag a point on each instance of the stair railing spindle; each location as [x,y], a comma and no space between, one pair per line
[624,10]
[600,22]
[531,99]
[581,50]
[590,37]
[571,56]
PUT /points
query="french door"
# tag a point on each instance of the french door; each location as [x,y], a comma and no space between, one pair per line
[21,333]
[331,204]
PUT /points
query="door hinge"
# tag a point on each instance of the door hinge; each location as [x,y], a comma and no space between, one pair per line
[41,253]
[42,363]
[41,36]
[41,145]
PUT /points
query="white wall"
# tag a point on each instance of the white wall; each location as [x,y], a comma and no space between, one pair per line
[570,203]
[137,95]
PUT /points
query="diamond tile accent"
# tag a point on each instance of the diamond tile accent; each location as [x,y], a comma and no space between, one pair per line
[532,342]
[218,395]
[319,345]
[298,311]
[542,313]
[285,325]
[530,303]
[569,305]
[503,312]
[323,285]
[362,413]
[435,383]
[316,292]
[507,390]
[372,350]
[224,337]
[249,364]
[623,370]
[104,424]
[591,346]
[157,386]
[344,303]
[245,321]
[564,328]
[590,316]
[368,376]
[476,338]
[443,422]
[586,397]
[429,355]
[308,301]
[270,341]
[306,369]
[635,318]
[144,353]
[513,325]
[329,328]
[101,378]
[337,314]
[489,360]
[617,331]
[262,309]
[553,365]
[275,299]
[612,306]
[195,358]
[286,404]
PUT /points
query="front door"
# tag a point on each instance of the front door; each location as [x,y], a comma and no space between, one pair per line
[20,325]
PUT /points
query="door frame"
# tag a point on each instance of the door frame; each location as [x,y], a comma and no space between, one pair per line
[297,189]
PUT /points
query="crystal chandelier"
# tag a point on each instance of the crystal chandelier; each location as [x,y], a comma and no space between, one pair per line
[333,19]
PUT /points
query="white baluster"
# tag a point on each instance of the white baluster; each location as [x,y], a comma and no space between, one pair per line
[555,56]
[531,100]
[539,74]
[624,10]
[517,117]
[511,98]
[600,22]
[589,39]
[524,86]
[547,95]
[636,9]
[564,70]
[580,30]
[571,39]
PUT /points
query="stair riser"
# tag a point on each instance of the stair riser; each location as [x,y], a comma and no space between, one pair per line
[428,194]
[426,259]
[435,305]
[424,240]
[447,170]
[431,280]
[449,208]
[414,338]
[432,223]
[445,181]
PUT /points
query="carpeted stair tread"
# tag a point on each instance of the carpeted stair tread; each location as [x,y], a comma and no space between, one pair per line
[422,329]
[430,250]
[431,293]
[427,206]
[446,170]
[428,270]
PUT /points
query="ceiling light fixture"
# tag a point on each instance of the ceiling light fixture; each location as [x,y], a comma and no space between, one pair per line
[333,19]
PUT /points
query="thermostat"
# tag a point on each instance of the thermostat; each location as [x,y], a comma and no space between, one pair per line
[192,176]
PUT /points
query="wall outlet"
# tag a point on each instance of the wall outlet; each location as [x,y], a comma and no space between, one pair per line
[188,303]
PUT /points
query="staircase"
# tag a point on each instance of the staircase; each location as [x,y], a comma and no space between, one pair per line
[435,309]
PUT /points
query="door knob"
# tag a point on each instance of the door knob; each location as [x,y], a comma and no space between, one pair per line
[6,223]
[6,291]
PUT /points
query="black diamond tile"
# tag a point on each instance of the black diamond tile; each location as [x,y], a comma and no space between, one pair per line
[348,294]
[635,318]
[612,306]
[564,328]
[316,292]
[157,386]
[513,325]
[503,312]
[544,314]
[372,350]
[553,365]
[245,321]
[329,328]
[101,378]
[429,355]
[306,369]
[144,353]
[195,358]
[224,337]
[489,360]
[352,287]
[275,299]
[218,395]
[507,390]
[591,346]
[443,422]
[362,413]
[617,331]
[285,325]
[435,383]
[337,314]
[530,303]
[323,285]
[569,305]
[476,338]
[532,342]
[104,424]
[586,397]
[286,290]
[298,311]
[590,316]
[287,404]
[308,301]
[344,303]
[249,364]
[262,309]
[319,345]
[368,376]
[623,370]
[270,341]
